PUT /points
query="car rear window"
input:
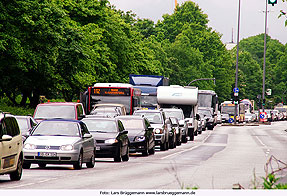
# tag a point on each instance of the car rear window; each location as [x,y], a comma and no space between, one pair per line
[55,111]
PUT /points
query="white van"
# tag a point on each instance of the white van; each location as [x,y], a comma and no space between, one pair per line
[11,154]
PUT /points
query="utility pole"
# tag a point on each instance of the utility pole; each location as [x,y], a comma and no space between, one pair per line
[175,4]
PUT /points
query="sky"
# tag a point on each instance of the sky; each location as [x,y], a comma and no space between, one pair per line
[222,15]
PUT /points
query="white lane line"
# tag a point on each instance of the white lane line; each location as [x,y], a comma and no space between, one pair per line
[265,146]
[21,185]
[192,148]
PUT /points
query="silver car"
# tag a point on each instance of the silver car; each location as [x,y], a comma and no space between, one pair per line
[59,141]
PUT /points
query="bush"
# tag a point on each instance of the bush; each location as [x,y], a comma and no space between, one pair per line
[5,106]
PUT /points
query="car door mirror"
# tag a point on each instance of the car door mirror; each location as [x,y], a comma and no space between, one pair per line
[81,117]
[197,117]
[6,138]
[87,135]
[124,132]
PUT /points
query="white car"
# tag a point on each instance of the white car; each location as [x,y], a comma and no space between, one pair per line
[60,141]
[11,155]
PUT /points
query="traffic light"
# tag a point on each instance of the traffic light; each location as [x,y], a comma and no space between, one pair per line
[272,2]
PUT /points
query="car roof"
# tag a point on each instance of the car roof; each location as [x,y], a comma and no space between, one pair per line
[62,119]
[110,105]
[150,111]
[99,118]
[171,109]
[130,117]
[59,103]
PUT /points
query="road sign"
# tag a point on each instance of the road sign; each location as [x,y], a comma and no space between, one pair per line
[230,120]
[235,94]
[236,90]
[263,116]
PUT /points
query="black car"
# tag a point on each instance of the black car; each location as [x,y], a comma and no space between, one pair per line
[140,134]
[110,137]
[160,126]
[176,126]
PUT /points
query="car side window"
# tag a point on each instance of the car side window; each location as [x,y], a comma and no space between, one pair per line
[3,130]
[84,129]
[168,124]
[147,124]
[121,126]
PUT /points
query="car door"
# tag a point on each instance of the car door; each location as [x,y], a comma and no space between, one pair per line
[123,138]
[6,151]
[149,132]
[14,146]
[87,143]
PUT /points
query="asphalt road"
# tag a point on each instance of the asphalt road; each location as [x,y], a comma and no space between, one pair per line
[215,160]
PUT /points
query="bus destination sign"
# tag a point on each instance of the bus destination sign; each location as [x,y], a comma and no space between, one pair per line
[111,91]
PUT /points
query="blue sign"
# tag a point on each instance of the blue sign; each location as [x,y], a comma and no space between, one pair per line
[236,90]
[230,120]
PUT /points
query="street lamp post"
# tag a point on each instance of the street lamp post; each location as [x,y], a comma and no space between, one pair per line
[264,61]
[237,57]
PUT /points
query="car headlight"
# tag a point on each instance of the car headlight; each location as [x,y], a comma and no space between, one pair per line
[158,131]
[67,147]
[111,141]
[29,146]
[139,138]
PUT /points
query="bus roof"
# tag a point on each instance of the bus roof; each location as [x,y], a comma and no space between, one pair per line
[207,92]
[113,85]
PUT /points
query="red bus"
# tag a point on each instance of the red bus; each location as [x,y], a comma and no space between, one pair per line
[116,93]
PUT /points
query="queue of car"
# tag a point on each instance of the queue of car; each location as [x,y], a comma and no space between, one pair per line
[61,133]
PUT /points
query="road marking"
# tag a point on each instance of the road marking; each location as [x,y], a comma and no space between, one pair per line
[265,146]
[192,148]
[21,185]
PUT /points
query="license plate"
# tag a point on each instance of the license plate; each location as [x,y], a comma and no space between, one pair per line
[98,148]
[47,154]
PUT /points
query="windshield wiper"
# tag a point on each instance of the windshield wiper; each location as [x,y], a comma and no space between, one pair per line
[101,131]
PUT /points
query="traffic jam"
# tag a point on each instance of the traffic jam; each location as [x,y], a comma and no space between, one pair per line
[112,120]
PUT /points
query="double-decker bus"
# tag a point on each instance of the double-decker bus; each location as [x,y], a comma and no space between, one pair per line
[116,93]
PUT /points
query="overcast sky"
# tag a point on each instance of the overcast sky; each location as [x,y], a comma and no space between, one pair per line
[222,15]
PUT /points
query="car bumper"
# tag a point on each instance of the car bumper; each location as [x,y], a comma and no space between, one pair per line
[106,151]
[137,146]
[51,156]
[159,139]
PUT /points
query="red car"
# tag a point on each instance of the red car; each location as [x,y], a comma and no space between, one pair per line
[60,110]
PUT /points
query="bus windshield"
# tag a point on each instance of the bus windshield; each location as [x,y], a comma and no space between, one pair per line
[228,110]
[125,100]
[204,100]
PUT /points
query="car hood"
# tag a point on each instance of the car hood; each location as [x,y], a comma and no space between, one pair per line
[156,125]
[133,133]
[51,140]
[104,136]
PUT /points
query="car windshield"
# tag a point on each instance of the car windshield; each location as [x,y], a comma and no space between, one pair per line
[205,112]
[153,117]
[55,111]
[177,114]
[101,112]
[132,124]
[100,125]
[57,128]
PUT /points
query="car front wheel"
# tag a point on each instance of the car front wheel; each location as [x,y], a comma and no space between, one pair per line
[91,164]
[79,163]
[16,175]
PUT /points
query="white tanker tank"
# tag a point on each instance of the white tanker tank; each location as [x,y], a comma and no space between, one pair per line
[178,95]
[185,98]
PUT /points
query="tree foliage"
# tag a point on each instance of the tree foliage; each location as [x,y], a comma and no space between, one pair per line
[57,48]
